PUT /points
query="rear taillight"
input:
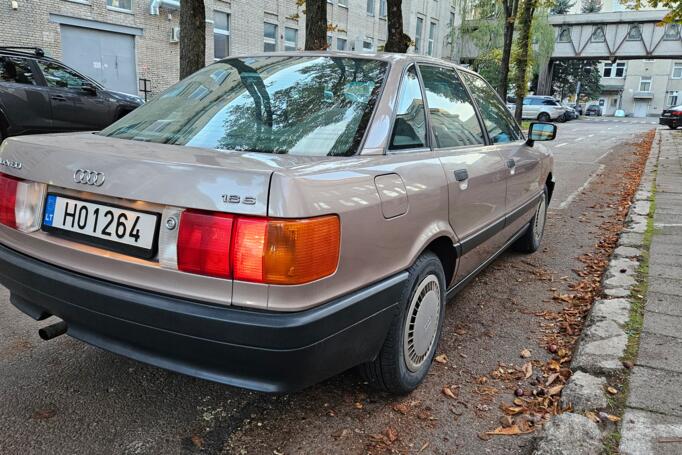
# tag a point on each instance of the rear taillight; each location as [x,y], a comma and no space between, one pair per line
[260,250]
[21,203]
[677,113]
[204,243]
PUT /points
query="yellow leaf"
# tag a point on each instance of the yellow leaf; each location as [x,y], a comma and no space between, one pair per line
[448,392]
[441,358]
[527,370]
[611,390]
[510,431]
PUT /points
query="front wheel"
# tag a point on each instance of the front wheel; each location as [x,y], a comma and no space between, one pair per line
[409,348]
[672,127]
[530,241]
[544,117]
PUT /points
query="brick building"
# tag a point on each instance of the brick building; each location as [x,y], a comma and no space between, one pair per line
[119,42]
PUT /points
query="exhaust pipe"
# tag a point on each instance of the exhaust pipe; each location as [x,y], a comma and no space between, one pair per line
[53,331]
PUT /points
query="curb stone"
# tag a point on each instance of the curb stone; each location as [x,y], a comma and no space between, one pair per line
[603,341]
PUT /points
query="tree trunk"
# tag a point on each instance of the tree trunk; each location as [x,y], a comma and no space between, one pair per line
[192,36]
[521,63]
[511,8]
[315,25]
[398,40]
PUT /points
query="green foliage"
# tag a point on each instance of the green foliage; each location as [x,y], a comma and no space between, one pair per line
[561,7]
[567,74]
[591,6]
[675,7]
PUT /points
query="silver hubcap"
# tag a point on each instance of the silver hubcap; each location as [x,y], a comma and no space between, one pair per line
[421,323]
[540,216]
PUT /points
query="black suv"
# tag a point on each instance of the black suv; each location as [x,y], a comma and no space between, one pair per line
[41,95]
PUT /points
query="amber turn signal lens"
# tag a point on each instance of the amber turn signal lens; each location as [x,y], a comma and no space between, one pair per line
[301,251]
[285,251]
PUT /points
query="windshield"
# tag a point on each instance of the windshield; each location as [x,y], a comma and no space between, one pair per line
[275,104]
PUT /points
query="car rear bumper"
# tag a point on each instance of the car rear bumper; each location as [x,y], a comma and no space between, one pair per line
[265,351]
[670,121]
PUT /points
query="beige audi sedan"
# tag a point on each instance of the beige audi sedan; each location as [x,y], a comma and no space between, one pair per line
[276,219]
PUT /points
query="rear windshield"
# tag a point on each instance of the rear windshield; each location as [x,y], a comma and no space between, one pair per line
[275,104]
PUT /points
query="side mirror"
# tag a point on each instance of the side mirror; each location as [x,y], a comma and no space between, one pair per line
[89,88]
[539,131]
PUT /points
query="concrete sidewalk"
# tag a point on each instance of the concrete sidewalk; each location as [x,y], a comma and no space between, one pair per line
[652,423]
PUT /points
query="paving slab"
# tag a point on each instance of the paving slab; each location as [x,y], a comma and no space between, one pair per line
[667,239]
[664,303]
[600,356]
[646,433]
[665,286]
[659,247]
[584,392]
[663,324]
[656,390]
[668,219]
[631,239]
[665,271]
[616,310]
[659,351]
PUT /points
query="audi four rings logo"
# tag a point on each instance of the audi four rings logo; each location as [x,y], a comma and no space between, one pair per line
[87,177]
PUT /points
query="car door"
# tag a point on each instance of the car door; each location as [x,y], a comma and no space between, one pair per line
[24,100]
[475,173]
[523,161]
[530,108]
[75,106]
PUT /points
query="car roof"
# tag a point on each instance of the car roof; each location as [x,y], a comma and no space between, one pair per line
[389,57]
[30,52]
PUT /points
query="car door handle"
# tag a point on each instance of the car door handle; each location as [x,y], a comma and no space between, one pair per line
[461,175]
[511,164]
[58,98]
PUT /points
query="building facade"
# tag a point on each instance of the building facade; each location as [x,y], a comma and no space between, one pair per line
[126,43]
[639,87]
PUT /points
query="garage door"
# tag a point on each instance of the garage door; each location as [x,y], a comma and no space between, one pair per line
[641,108]
[107,57]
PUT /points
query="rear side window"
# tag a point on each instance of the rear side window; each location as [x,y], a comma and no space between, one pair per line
[409,129]
[17,70]
[453,117]
[496,117]
[550,103]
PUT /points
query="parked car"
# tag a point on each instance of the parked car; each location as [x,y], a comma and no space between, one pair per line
[672,117]
[41,95]
[578,109]
[271,235]
[542,108]
[570,113]
[593,109]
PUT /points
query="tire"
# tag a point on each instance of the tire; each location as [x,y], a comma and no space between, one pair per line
[405,357]
[530,241]
[544,117]
[672,127]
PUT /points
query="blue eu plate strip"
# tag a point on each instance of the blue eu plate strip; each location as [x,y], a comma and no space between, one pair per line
[49,209]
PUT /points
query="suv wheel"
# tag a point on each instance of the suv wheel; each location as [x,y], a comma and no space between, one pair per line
[409,348]
[544,117]
[530,241]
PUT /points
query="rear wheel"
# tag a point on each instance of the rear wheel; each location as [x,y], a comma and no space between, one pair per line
[530,241]
[672,127]
[409,348]
[544,117]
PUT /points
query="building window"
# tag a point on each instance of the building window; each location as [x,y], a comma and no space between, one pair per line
[270,37]
[290,39]
[221,35]
[672,32]
[432,37]
[330,40]
[634,33]
[677,70]
[418,35]
[598,35]
[451,21]
[343,3]
[672,99]
[126,5]
[564,35]
[367,44]
[341,44]
[611,70]
[370,7]
[645,84]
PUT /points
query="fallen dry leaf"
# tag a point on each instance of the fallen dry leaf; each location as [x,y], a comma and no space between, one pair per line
[511,431]
[527,370]
[358,405]
[402,408]
[391,434]
[613,418]
[441,358]
[525,354]
[611,390]
[42,414]
[506,421]
[555,390]
[447,391]
[198,441]
[426,444]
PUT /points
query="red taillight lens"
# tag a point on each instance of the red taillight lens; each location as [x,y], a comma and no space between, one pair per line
[204,243]
[677,113]
[247,250]
[8,200]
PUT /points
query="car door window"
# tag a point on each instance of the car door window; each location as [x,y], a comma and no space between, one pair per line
[527,101]
[58,76]
[498,121]
[409,128]
[453,118]
[17,70]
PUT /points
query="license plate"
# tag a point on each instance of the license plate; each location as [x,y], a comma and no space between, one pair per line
[115,228]
[666,114]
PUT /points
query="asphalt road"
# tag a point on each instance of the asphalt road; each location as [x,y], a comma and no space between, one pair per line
[63,396]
